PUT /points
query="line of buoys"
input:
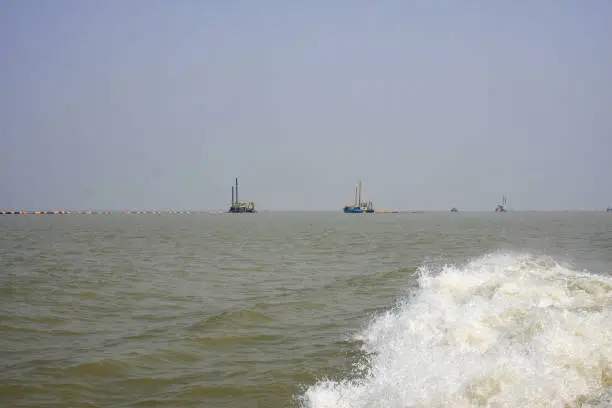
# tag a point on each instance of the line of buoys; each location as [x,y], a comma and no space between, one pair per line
[63,212]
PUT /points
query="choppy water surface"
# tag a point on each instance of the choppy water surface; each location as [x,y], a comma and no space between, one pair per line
[306,309]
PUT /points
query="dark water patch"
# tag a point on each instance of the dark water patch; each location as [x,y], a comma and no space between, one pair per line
[32,363]
[16,394]
[295,305]
[159,317]
[170,401]
[88,295]
[242,268]
[103,368]
[275,393]
[56,394]
[383,277]
[232,319]
[147,385]
[145,335]
[33,315]
[225,342]
[164,357]
[31,330]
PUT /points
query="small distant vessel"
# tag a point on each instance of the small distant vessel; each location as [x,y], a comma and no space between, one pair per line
[502,207]
[454,209]
[609,209]
[241,206]
[358,207]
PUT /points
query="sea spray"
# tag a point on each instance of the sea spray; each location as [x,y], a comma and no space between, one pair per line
[505,330]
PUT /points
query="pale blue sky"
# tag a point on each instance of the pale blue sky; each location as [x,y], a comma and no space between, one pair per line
[433,104]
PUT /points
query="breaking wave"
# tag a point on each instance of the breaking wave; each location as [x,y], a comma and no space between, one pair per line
[505,330]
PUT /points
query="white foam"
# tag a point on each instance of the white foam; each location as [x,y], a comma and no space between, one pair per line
[505,330]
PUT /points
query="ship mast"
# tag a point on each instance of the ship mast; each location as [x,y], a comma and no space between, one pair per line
[359,203]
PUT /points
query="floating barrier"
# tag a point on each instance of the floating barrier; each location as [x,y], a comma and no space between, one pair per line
[64,212]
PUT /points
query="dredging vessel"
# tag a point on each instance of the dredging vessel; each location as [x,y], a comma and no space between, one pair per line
[358,207]
[240,206]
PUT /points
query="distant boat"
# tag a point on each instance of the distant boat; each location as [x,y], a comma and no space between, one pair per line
[502,207]
[358,207]
[609,209]
[239,207]
[454,209]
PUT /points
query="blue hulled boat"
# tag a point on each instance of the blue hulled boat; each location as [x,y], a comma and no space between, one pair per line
[358,207]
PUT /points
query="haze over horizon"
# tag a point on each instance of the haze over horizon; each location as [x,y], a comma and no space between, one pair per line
[160,105]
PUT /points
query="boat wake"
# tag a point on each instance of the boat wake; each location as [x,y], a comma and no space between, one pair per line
[505,330]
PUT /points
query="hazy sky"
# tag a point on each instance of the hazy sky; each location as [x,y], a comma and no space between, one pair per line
[433,104]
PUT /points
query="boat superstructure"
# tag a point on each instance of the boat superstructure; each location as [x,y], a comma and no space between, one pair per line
[240,206]
[502,207]
[358,207]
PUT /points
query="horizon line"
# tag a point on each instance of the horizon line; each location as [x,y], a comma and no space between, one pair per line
[216,211]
